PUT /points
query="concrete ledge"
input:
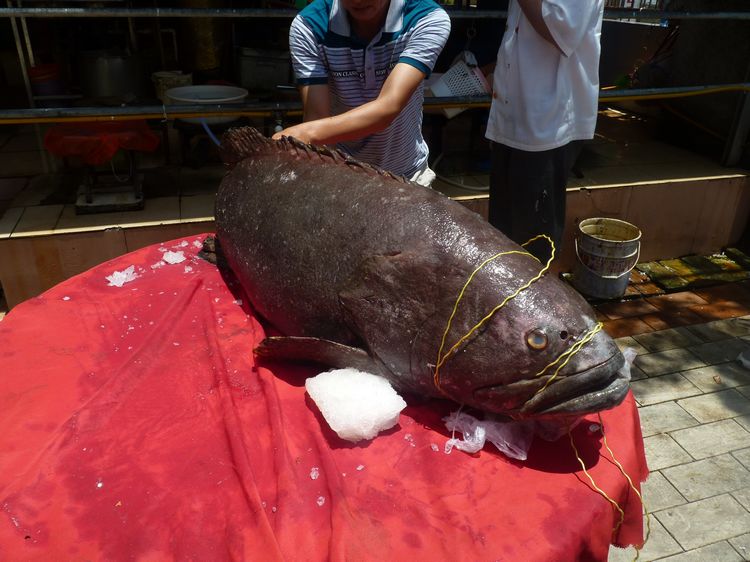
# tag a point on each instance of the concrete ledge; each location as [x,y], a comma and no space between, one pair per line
[699,215]
[35,262]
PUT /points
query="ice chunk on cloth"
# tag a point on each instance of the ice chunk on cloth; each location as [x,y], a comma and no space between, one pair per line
[119,278]
[173,257]
[355,404]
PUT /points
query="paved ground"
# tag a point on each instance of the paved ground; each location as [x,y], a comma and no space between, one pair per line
[694,404]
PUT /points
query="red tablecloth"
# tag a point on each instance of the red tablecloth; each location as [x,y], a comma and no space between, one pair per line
[136,425]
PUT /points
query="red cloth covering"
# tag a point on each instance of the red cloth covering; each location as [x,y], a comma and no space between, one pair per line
[136,425]
[96,143]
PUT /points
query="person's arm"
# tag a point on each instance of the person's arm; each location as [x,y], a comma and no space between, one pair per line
[310,68]
[361,121]
[532,9]
[316,102]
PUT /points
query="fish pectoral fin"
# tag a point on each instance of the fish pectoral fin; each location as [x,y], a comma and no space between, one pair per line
[390,300]
[395,289]
[317,350]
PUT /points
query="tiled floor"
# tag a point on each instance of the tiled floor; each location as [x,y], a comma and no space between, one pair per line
[694,404]
[659,312]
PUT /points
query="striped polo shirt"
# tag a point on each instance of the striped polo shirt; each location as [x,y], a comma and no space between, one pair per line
[325,51]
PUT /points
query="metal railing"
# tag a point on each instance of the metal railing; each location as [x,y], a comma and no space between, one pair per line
[635,4]
[616,12]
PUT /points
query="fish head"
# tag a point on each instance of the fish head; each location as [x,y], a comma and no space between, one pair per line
[540,355]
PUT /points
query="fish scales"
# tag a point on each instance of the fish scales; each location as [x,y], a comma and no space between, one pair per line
[361,268]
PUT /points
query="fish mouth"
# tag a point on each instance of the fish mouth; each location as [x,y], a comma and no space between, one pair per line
[601,387]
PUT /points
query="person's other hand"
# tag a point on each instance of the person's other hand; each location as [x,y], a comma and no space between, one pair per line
[488,71]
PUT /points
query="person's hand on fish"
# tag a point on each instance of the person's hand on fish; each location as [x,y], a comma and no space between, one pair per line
[304,132]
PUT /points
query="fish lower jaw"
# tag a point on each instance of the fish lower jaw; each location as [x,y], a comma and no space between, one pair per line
[595,401]
[582,393]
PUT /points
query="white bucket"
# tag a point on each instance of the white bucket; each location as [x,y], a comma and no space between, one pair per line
[607,251]
[165,79]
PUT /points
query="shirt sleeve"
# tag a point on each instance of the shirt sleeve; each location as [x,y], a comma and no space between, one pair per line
[568,21]
[307,58]
[427,40]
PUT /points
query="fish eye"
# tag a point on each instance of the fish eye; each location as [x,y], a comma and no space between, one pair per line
[536,339]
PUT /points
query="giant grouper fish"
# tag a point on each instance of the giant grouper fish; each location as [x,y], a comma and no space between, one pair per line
[360,268]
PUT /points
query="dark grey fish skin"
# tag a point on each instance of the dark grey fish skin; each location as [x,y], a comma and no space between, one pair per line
[362,269]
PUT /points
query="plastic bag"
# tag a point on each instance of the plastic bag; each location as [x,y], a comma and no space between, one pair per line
[744,359]
[512,438]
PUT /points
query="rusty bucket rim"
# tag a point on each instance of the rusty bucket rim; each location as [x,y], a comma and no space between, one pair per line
[600,220]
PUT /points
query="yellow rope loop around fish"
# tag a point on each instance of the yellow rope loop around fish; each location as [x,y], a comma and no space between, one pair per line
[565,357]
[604,494]
[442,358]
[568,355]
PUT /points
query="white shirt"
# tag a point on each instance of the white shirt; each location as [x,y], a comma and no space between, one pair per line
[544,98]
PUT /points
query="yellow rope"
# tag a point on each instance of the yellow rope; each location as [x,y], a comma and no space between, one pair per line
[442,358]
[632,487]
[604,494]
[567,355]
[597,488]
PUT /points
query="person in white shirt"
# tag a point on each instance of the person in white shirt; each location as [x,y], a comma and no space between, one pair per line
[545,96]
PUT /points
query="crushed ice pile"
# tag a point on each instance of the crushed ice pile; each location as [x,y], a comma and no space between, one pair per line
[355,404]
[119,278]
[360,405]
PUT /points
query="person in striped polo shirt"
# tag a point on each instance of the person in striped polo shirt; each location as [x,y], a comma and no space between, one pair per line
[360,66]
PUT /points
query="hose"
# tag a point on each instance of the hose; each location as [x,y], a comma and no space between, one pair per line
[480,188]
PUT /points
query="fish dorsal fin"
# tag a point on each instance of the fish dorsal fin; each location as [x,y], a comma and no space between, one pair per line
[242,142]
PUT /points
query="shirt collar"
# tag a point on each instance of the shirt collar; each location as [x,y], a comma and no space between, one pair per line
[339,22]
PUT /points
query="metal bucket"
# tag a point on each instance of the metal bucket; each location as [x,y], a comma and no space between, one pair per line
[166,79]
[111,75]
[607,251]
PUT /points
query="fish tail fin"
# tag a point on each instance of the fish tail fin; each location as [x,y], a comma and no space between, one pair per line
[240,142]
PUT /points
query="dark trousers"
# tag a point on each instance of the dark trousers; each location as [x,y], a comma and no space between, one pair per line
[527,194]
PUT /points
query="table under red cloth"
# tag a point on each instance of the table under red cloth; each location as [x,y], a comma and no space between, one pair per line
[136,425]
[96,142]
